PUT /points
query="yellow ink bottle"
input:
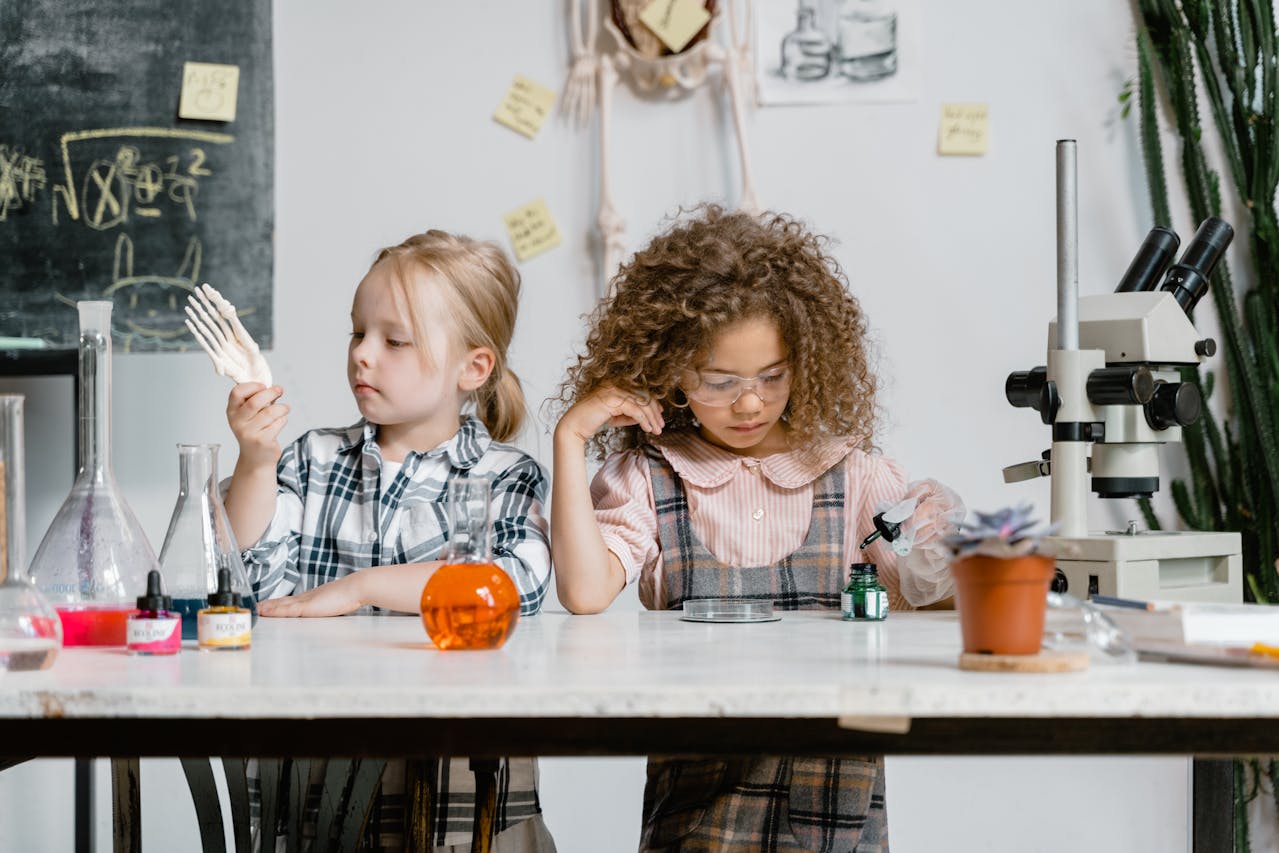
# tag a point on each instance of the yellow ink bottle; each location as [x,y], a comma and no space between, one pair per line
[224,625]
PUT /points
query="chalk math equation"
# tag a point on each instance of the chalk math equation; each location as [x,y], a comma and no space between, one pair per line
[112,176]
[117,188]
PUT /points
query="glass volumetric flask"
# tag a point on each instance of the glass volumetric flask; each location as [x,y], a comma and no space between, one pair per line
[30,633]
[199,541]
[470,602]
[93,561]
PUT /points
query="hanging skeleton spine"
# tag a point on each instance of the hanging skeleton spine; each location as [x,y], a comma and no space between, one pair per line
[635,52]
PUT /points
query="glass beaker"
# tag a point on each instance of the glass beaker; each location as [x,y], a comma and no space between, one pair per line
[93,561]
[470,602]
[867,45]
[30,633]
[199,541]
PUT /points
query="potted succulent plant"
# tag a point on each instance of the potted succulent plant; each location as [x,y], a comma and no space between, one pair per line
[1001,581]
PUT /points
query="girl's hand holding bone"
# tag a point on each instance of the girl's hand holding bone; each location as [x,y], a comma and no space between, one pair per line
[215,324]
[256,418]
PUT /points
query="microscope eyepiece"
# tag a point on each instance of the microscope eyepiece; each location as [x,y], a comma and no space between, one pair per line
[1024,388]
[1187,281]
[1148,265]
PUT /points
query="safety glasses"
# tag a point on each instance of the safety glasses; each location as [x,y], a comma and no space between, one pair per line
[724,389]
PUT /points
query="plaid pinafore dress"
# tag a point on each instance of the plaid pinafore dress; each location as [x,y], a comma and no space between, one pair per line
[765,803]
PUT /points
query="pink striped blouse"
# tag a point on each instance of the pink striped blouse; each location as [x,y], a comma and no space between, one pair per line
[746,511]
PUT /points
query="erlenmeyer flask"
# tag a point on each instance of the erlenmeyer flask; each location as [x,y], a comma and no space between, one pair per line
[93,561]
[470,602]
[200,541]
[30,633]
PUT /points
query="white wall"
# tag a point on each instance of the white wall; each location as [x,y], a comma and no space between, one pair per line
[383,128]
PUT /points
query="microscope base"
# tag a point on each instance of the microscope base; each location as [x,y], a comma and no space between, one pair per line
[1152,565]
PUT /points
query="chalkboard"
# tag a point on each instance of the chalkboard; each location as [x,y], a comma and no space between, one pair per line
[105,193]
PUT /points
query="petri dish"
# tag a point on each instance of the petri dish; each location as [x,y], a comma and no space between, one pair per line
[729,610]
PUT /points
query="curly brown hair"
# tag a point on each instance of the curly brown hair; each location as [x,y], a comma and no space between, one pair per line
[710,270]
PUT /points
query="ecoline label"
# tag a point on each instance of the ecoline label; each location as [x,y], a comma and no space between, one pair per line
[224,629]
[154,635]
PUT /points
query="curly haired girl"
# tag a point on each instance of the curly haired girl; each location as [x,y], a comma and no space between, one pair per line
[727,383]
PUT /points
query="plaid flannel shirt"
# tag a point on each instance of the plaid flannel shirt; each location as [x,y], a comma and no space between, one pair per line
[332,518]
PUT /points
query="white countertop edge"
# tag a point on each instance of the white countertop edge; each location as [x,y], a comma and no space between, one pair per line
[914,702]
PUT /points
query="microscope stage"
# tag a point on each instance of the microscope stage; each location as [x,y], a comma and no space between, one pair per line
[1143,545]
[1154,565]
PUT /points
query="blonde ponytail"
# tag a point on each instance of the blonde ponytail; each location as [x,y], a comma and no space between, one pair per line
[500,404]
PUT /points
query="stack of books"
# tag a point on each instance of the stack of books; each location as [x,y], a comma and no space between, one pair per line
[1230,634]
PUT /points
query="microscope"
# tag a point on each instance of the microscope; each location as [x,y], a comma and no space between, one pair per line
[1112,385]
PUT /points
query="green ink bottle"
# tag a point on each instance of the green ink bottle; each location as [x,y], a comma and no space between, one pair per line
[864,599]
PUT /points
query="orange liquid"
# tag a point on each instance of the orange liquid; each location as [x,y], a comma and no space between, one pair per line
[470,606]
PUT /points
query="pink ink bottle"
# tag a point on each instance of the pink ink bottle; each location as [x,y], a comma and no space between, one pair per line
[154,629]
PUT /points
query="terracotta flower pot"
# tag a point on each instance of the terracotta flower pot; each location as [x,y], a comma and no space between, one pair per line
[1001,602]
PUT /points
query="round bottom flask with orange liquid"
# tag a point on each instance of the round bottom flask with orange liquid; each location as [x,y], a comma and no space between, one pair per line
[469,602]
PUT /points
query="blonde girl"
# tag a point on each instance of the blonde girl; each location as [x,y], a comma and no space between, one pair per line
[351,519]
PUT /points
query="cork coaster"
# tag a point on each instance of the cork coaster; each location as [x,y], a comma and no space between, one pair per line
[1042,662]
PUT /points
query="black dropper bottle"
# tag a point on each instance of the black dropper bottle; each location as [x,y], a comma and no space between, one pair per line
[155,603]
[155,629]
[224,625]
[224,596]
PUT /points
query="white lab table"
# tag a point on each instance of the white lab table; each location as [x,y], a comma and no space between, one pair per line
[622,683]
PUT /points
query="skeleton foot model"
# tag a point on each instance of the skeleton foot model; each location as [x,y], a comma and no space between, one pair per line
[215,324]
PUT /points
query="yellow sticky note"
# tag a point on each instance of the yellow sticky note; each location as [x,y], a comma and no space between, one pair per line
[964,129]
[208,91]
[532,229]
[675,22]
[525,106]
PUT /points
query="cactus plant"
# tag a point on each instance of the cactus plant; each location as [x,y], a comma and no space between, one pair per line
[1230,45]
[1229,48]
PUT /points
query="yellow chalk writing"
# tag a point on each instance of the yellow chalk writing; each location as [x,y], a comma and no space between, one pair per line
[21,178]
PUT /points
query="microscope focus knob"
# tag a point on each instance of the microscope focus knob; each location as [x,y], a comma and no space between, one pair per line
[1174,404]
[1120,386]
[1207,347]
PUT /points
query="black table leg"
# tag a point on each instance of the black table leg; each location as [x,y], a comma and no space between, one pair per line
[1212,805]
[84,805]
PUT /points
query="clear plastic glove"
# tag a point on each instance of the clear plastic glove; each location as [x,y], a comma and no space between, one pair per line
[924,567]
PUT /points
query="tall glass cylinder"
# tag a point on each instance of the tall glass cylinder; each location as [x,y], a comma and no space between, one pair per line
[30,633]
[199,540]
[469,602]
[94,558]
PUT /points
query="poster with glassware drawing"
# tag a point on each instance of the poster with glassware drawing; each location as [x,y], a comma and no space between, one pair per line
[837,51]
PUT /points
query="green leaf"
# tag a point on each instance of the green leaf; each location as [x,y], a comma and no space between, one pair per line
[1148,513]
[1185,508]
